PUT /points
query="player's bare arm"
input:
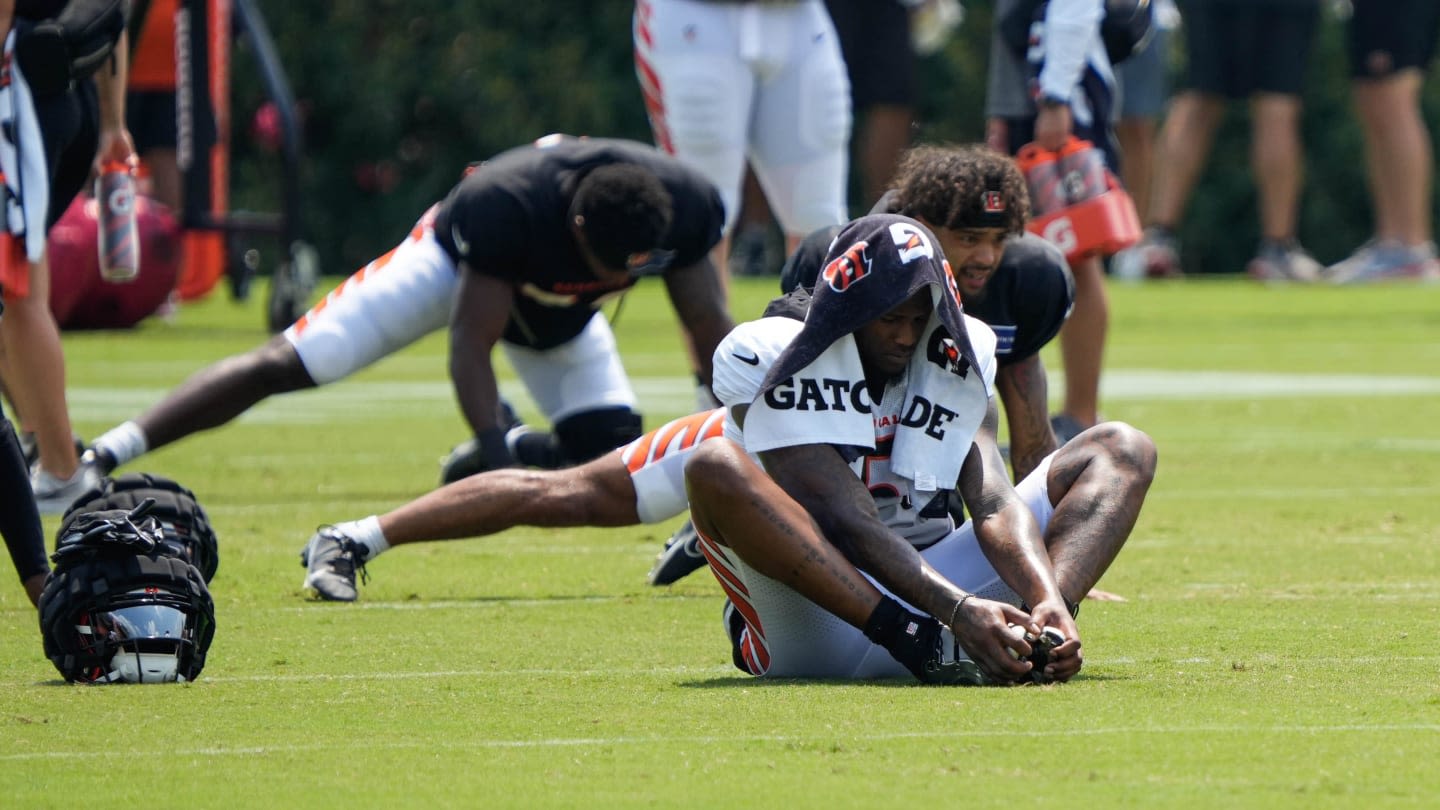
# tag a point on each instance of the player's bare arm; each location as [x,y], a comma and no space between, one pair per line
[819,479]
[1010,537]
[1025,392]
[699,302]
[482,307]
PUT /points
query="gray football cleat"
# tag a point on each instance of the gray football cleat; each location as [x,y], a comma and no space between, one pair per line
[331,559]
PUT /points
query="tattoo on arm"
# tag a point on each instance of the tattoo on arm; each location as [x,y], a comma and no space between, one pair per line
[1024,391]
[813,555]
[820,481]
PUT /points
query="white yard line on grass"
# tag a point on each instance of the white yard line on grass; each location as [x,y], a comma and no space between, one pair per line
[357,401]
[668,742]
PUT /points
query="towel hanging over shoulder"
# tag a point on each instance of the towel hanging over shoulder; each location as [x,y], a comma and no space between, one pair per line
[875,264]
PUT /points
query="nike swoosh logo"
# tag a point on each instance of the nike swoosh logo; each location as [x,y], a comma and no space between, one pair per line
[752,360]
[462,246]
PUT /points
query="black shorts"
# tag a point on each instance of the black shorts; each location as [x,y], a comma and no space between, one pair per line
[1236,48]
[1385,36]
[70,128]
[150,117]
[875,41]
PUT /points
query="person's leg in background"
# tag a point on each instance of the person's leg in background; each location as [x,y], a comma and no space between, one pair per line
[756,249]
[1012,122]
[1277,152]
[699,94]
[708,107]
[34,371]
[1277,161]
[880,61]
[1398,155]
[800,135]
[150,103]
[1188,133]
[1390,52]
[698,97]
[1144,86]
[34,361]
[152,122]
[1082,349]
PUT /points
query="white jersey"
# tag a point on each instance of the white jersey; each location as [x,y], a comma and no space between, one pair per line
[744,357]
[784,633]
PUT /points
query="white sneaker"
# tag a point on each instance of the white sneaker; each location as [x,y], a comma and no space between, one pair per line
[55,495]
[1128,264]
[1158,254]
[1283,262]
[1386,261]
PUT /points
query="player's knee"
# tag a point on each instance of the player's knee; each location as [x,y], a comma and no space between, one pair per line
[1129,449]
[713,467]
[590,434]
[274,368]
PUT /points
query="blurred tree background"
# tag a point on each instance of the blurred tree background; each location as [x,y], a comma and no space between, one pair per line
[397,97]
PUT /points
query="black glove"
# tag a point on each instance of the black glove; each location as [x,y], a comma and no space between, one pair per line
[484,452]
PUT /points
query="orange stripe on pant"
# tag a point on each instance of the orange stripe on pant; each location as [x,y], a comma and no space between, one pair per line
[692,429]
[355,278]
[753,648]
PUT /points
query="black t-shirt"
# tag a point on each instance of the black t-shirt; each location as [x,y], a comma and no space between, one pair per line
[508,219]
[1026,300]
[38,9]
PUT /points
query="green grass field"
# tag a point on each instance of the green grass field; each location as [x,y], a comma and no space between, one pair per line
[1278,649]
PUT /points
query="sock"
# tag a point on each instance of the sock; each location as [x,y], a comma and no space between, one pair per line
[366,532]
[123,443]
[909,637]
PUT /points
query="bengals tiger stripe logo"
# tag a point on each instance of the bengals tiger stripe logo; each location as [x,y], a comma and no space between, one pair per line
[848,268]
[910,242]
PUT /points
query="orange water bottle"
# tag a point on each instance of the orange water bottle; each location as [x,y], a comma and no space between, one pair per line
[119,234]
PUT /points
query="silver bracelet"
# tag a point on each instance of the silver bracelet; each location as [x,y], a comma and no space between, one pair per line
[955,614]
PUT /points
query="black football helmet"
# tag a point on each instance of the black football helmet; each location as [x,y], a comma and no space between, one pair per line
[185,527]
[120,607]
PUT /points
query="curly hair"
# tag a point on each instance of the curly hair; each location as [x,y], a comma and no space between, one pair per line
[949,187]
[625,210]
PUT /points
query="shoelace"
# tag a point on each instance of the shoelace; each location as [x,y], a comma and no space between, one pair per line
[351,558]
[354,557]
